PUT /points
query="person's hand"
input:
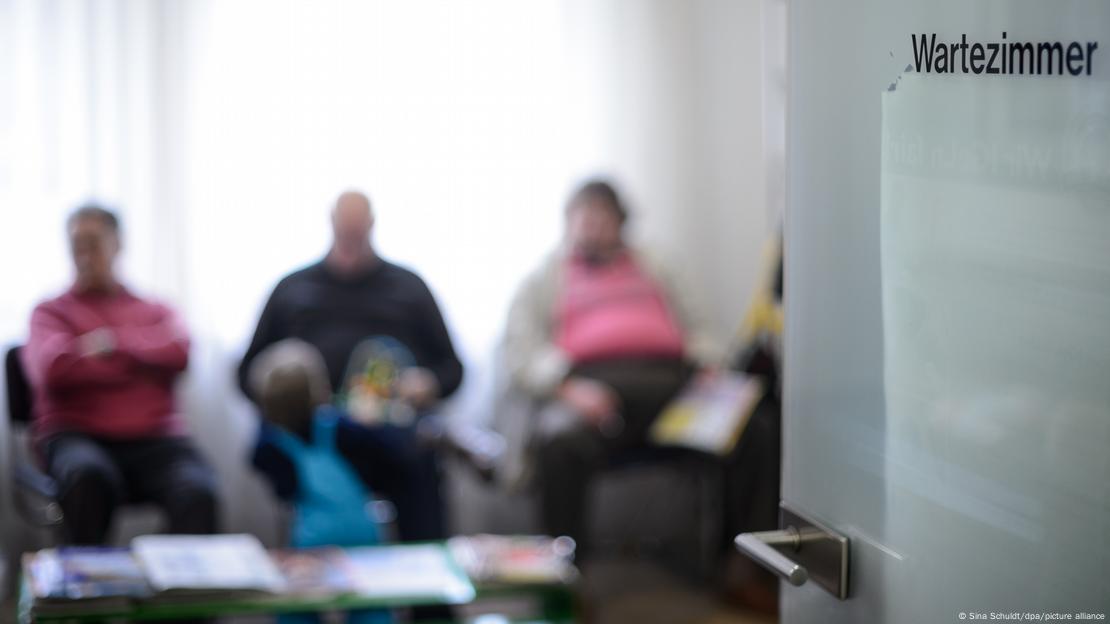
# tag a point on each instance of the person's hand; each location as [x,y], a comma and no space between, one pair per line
[418,387]
[593,400]
[707,374]
[100,342]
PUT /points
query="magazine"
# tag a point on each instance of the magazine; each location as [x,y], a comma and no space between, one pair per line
[206,564]
[91,579]
[710,414]
[76,573]
[515,559]
[369,392]
[315,572]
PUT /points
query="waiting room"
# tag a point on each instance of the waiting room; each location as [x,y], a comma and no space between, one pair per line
[599,311]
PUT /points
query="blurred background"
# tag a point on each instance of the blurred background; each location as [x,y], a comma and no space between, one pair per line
[224,130]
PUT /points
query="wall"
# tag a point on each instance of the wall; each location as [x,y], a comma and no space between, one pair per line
[678,95]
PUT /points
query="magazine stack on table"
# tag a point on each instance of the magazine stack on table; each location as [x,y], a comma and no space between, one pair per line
[156,569]
[235,572]
[86,579]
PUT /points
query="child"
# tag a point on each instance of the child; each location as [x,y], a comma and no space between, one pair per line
[331,504]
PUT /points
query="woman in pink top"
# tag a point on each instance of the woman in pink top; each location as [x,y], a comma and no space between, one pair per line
[605,341]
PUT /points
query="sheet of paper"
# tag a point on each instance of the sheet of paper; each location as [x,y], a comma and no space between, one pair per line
[409,570]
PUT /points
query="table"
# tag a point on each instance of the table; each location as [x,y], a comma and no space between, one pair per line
[555,605]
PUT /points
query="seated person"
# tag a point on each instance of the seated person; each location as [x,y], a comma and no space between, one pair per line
[336,304]
[102,362]
[604,337]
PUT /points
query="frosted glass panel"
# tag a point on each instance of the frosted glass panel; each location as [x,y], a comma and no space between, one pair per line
[996,311]
[948,311]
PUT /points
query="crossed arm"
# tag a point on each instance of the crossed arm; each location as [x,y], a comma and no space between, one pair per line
[57,357]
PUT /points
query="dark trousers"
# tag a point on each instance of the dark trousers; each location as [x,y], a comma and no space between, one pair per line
[410,478]
[570,453]
[96,476]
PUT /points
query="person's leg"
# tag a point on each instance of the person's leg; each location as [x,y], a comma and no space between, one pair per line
[568,461]
[395,465]
[421,513]
[644,387]
[568,455]
[412,481]
[90,486]
[173,475]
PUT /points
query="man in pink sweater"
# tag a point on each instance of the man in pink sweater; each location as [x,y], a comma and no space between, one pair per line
[102,363]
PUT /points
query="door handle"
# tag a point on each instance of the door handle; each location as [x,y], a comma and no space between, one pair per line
[804,550]
[759,547]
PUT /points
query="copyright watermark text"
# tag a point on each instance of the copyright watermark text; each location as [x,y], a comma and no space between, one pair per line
[1029,616]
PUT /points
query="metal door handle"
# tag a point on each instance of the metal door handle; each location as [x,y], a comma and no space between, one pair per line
[758,547]
[805,550]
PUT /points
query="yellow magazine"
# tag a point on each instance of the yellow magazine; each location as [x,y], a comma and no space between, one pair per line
[710,414]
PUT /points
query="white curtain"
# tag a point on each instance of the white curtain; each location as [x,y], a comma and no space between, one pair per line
[451,116]
[77,121]
[223,130]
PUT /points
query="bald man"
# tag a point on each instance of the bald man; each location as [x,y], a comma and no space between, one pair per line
[334,305]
